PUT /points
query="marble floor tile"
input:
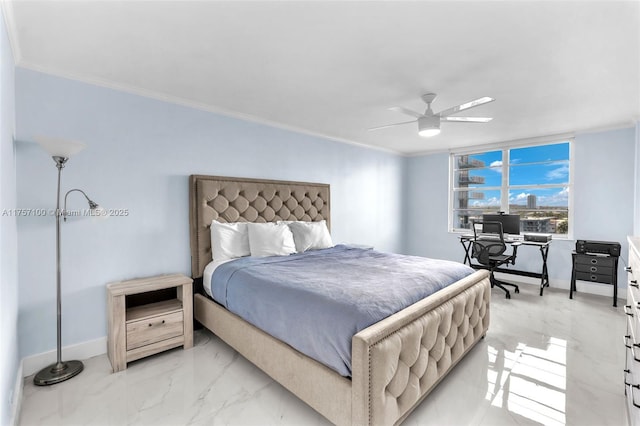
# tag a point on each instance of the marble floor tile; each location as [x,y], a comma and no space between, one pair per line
[545,361]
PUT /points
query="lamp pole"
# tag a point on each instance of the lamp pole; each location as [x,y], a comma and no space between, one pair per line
[60,371]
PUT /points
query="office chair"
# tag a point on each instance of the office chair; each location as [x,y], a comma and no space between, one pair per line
[489,247]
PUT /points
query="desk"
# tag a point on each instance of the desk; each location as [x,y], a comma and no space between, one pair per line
[467,242]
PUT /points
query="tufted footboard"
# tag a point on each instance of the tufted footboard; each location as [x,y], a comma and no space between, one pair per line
[399,360]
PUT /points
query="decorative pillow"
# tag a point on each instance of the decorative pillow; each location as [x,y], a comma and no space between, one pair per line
[270,239]
[229,240]
[311,235]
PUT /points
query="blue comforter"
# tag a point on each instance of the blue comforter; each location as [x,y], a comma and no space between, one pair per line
[316,301]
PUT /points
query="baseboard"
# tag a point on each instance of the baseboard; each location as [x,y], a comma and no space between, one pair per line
[84,350]
[582,286]
[16,399]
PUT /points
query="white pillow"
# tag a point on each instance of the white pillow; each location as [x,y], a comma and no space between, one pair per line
[270,239]
[229,240]
[311,235]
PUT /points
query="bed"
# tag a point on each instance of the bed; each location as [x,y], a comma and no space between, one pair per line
[395,362]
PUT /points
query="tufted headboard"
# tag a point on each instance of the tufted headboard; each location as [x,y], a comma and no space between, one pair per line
[228,199]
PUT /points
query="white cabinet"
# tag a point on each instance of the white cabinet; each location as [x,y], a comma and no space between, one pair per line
[632,337]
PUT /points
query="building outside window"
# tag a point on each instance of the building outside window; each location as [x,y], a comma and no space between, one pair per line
[533,182]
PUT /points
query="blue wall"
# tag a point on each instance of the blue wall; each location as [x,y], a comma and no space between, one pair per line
[603,203]
[9,360]
[139,156]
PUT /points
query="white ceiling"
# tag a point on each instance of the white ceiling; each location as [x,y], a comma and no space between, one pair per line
[334,68]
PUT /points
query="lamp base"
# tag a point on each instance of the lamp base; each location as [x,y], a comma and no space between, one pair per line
[58,372]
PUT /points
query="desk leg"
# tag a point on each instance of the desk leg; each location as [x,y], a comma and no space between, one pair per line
[615,283]
[467,246]
[572,284]
[544,279]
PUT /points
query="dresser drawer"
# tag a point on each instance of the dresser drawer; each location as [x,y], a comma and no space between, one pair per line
[582,259]
[631,341]
[593,277]
[154,329]
[632,388]
[594,269]
[634,264]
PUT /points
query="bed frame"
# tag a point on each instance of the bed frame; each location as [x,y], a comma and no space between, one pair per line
[395,362]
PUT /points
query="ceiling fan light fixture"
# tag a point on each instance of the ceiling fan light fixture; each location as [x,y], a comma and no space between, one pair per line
[429,122]
[429,126]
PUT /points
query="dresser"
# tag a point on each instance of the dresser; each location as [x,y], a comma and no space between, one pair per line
[632,336]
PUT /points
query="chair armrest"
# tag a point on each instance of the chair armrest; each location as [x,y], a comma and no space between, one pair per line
[515,251]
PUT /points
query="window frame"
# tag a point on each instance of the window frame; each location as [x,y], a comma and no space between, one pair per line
[505,188]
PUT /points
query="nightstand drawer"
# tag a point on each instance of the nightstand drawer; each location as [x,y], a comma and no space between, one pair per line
[593,269]
[595,260]
[598,278]
[154,329]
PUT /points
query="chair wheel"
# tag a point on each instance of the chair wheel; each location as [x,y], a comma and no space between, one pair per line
[508,296]
[517,290]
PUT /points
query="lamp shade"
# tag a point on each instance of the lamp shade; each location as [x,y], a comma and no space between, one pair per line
[100,212]
[60,147]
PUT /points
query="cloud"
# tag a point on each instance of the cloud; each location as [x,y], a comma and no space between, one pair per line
[491,202]
[560,198]
[519,197]
[496,166]
[561,172]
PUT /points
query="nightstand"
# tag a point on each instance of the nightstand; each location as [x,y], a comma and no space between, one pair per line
[595,268]
[138,328]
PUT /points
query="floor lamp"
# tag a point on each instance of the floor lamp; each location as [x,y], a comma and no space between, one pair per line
[61,150]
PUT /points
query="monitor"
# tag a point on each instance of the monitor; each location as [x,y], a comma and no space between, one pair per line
[510,222]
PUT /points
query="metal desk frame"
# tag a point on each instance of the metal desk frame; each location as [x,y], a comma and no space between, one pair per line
[467,243]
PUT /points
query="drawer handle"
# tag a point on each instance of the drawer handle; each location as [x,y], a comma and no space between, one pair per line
[633,283]
[594,261]
[628,269]
[632,347]
[593,269]
[625,310]
[593,278]
[631,387]
[151,325]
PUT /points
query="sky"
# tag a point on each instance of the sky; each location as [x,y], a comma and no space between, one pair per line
[538,165]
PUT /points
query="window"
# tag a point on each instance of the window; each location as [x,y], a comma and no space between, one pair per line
[530,181]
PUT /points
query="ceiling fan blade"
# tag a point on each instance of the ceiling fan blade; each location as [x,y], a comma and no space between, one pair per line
[471,104]
[466,119]
[406,111]
[391,125]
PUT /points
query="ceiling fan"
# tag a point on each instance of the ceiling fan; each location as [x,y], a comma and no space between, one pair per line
[429,122]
